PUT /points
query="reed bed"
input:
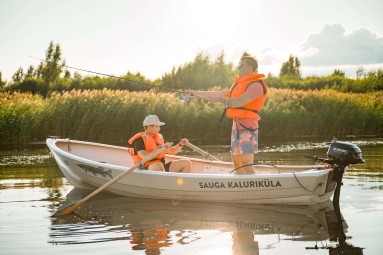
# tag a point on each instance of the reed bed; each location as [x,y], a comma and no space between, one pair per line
[114,115]
[20,117]
[323,113]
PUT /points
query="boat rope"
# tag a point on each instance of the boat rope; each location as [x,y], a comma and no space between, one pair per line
[69,148]
[296,178]
[252,165]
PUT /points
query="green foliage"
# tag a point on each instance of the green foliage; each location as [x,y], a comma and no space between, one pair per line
[19,75]
[20,117]
[325,113]
[130,81]
[200,74]
[31,72]
[108,115]
[372,81]
[360,72]
[40,103]
[116,115]
[48,71]
[338,72]
[35,86]
[2,83]
[291,68]
[53,66]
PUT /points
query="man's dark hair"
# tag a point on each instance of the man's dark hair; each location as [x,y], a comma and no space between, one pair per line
[250,60]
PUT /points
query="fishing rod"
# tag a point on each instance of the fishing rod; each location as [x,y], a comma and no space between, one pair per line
[183,96]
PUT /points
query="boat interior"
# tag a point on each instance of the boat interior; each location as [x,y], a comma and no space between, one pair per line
[120,156]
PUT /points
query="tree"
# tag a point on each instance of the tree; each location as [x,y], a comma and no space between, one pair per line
[2,83]
[338,72]
[53,65]
[67,74]
[19,75]
[223,73]
[201,73]
[359,72]
[39,70]
[291,68]
[30,73]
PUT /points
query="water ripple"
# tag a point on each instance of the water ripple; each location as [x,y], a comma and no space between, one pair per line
[310,145]
[10,160]
[89,232]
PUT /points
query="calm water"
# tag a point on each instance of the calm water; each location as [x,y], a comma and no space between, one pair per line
[32,189]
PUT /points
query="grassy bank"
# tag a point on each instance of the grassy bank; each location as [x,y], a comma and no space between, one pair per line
[107,115]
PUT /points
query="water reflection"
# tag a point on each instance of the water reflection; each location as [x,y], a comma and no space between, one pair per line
[153,225]
[32,187]
[337,234]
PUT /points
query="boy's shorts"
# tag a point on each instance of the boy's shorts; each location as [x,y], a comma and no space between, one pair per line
[244,141]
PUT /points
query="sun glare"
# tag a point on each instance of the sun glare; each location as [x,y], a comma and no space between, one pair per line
[217,251]
[215,19]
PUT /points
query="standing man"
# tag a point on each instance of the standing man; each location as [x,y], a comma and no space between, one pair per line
[150,140]
[242,103]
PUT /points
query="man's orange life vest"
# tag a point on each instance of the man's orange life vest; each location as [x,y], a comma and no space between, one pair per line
[250,110]
[151,143]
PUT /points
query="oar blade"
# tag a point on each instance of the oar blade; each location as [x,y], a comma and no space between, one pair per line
[68,209]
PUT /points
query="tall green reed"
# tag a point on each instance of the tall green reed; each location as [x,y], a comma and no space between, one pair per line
[115,116]
[20,117]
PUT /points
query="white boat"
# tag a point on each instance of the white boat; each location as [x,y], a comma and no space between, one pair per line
[91,165]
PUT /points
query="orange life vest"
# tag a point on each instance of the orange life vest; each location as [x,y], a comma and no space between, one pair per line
[151,143]
[250,110]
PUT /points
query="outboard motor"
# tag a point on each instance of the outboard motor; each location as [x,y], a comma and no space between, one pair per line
[343,153]
[339,156]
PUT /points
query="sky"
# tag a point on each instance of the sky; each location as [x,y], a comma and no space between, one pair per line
[153,36]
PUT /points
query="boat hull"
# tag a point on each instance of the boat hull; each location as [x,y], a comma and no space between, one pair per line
[90,165]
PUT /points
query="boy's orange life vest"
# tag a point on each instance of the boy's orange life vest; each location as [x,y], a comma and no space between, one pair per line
[151,143]
[250,110]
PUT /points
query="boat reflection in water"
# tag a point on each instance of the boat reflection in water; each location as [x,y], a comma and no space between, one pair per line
[152,225]
[337,232]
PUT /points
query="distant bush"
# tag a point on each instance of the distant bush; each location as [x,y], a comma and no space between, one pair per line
[373,81]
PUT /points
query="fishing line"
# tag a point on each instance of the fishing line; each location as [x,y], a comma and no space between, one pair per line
[108,75]
[183,96]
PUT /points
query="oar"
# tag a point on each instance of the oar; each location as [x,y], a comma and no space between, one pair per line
[77,204]
[204,153]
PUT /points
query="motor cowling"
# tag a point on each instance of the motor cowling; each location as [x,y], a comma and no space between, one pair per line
[344,153]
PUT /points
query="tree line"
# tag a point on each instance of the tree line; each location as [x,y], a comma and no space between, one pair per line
[203,73]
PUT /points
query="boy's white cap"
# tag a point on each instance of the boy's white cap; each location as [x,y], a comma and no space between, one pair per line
[152,120]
